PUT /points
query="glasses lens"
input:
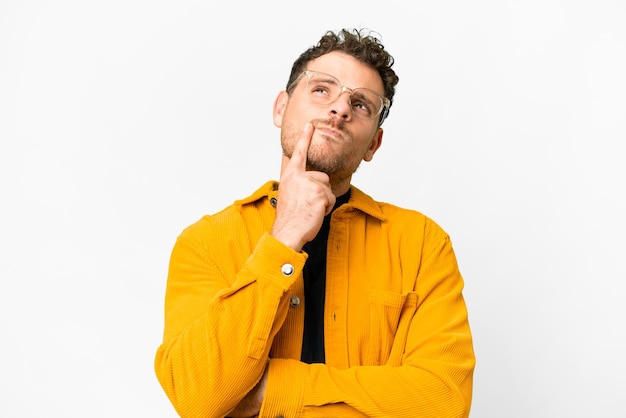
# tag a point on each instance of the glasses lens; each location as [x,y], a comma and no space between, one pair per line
[325,89]
[365,103]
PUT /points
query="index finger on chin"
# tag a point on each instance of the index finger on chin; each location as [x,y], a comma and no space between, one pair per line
[301,149]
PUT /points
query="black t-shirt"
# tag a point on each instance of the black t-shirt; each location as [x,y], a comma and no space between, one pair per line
[314,274]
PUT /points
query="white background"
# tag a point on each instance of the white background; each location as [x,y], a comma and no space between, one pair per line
[122,122]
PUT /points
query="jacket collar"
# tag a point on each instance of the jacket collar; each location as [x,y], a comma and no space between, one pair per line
[358,199]
[268,190]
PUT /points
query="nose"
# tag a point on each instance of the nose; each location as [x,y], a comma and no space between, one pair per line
[341,107]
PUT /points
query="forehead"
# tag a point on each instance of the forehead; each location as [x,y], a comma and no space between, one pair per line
[349,70]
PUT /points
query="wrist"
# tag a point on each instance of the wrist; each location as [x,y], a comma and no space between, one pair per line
[289,240]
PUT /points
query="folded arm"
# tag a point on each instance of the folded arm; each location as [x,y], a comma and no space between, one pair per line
[429,371]
[220,322]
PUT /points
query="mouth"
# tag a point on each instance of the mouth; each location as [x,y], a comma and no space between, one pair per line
[329,132]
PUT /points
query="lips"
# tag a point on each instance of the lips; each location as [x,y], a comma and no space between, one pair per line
[329,131]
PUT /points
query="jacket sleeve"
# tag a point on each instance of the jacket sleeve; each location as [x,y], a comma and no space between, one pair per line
[220,320]
[429,372]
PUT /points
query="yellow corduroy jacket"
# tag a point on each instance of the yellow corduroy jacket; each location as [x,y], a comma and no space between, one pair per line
[397,337]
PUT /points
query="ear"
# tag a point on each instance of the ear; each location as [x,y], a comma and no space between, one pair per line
[375,144]
[279,108]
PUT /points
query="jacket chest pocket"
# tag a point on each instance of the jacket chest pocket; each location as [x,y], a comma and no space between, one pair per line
[390,315]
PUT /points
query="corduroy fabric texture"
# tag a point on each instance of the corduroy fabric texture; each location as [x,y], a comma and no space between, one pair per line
[397,336]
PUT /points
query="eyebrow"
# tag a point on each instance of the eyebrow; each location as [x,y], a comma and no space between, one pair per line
[328,78]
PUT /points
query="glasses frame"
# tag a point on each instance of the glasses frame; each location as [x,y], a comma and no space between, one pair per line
[385,103]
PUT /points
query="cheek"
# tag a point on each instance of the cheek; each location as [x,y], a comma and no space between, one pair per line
[288,137]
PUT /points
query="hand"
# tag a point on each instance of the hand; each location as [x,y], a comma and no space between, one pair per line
[304,197]
[250,405]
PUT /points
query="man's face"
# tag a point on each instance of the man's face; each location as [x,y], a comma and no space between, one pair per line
[341,140]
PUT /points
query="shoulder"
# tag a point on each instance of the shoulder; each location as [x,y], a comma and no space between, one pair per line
[237,216]
[396,217]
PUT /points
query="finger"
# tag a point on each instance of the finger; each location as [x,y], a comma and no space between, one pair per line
[331,202]
[301,149]
[319,177]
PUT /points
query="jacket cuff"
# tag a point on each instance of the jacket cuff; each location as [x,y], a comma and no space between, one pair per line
[274,262]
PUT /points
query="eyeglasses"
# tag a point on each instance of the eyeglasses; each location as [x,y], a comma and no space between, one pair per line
[325,89]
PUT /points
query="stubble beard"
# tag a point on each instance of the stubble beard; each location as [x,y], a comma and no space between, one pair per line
[319,159]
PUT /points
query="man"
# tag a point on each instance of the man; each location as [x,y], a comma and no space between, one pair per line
[309,298]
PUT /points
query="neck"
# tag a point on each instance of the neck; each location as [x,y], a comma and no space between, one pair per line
[338,186]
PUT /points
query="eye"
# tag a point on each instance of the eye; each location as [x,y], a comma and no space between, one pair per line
[320,89]
[361,108]
[362,105]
